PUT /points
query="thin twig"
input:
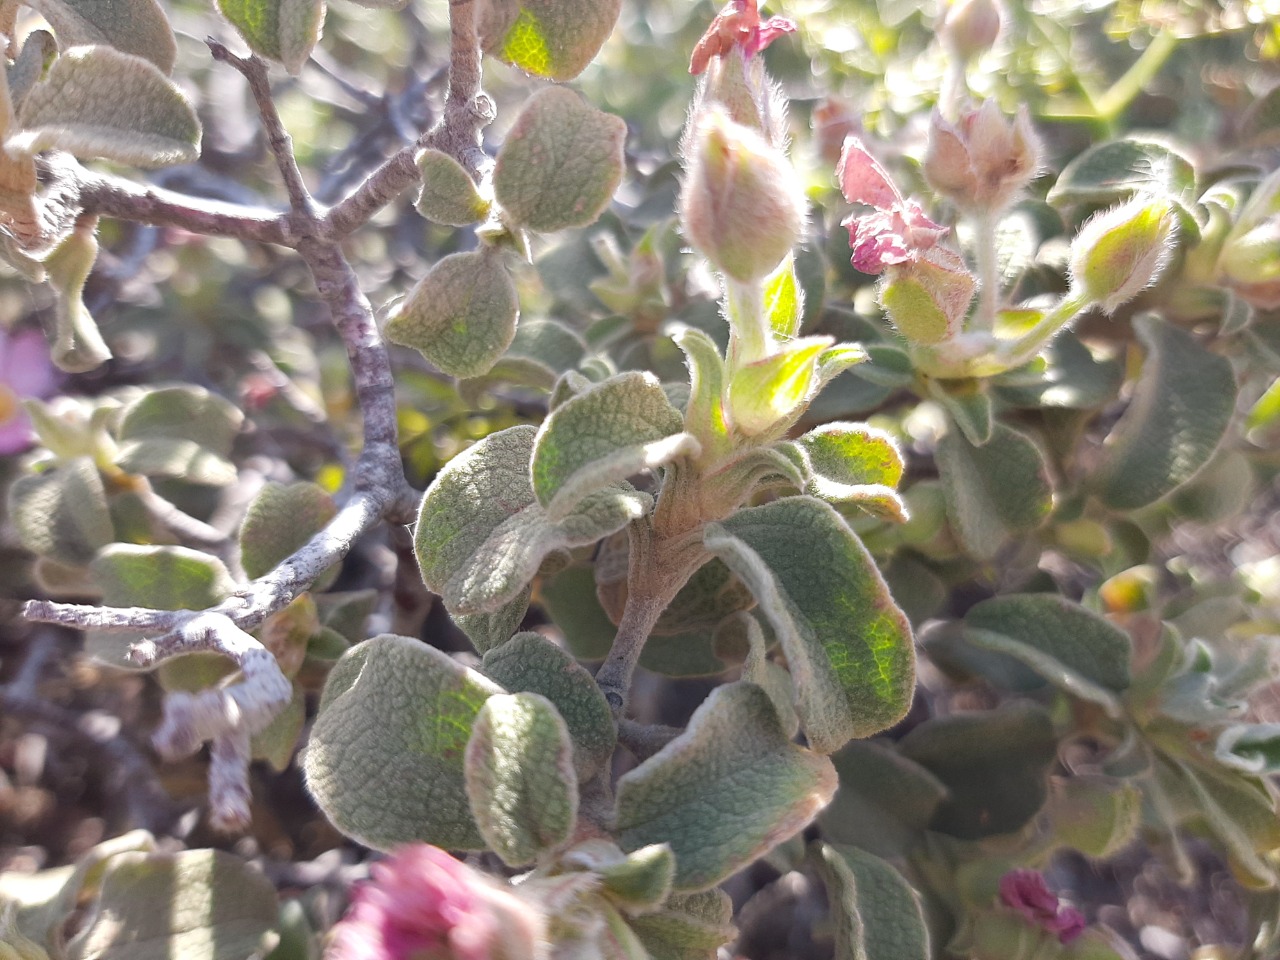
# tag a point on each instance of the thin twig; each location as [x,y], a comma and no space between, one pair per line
[645,739]
[254,70]
[190,530]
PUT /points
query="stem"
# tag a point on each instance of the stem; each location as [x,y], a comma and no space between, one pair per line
[984,317]
[644,740]
[1020,351]
[1134,80]
[254,70]
[656,570]
[750,338]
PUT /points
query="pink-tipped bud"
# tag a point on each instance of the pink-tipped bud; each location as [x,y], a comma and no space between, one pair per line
[927,297]
[1120,252]
[982,161]
[1250,259]
[742,205]
[970,27]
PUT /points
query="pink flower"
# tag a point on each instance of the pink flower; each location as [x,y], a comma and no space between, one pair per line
[422,904]
[738,24]
[898,231]
[1025,891]
[25,372]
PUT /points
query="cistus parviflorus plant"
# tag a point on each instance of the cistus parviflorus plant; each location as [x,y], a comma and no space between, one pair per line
[783,409]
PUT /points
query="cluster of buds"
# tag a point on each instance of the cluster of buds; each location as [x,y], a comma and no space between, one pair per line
[982,162]
[927,287]
[421,902]
[742,205]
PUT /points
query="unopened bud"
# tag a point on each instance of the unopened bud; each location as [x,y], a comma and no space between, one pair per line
[740,85]
[1120,252]
[742,205]
[927,297]
[1250,260]
[983,161]
[970,27]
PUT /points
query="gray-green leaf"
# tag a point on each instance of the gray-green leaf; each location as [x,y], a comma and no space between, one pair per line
[996,491]
[482,534]
[877,914]
[530,662]
[849,647]
[99,103]
[139,27]
[62,514]
[1179,413]
[520,777]
[385,758]
[725,791]
[281,30]
[462,315]
[604,435]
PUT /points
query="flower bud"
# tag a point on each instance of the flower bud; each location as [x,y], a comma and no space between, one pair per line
[1120,252]
[970,27]
[982,162]
[1250,259]
[928,296]
[742,205]
[422,902]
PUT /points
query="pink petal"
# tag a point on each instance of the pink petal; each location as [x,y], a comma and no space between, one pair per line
[875,243]
[1069,924]
[769,31]
[25,366]
[863,180]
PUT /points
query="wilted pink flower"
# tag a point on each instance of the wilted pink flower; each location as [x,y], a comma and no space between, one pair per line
[25,371]
[737,25]
[1025,891]
[422,904]
[982,161]
[897,230]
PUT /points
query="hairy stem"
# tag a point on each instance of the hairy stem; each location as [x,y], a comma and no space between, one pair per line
[984,224]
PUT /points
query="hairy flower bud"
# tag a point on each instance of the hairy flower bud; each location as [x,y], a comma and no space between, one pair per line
[970,27]
[927,297]
[1249,262]
[742,205]
[982,162]
[422,902]
[1120,252]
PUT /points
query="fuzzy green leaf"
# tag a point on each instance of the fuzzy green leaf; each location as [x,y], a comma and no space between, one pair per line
[705,414]
[556,39]
[885,802]
[724,792]
[529,662]
[462,315]
[449,195]
[281,30]
[852,463]
[520,777]
[281,519]
[1252,747]
[561,162]
[1066,644]
[1178,415]
[602,436]
[481,533]
[993,764]
[172,458]
[204,904]
[62,514]
[99,103]
[642,880]
[139,27]
[275,743]
[494,628]
[77,345]
[848,646]
[183,412]
[1097,816]
[1114,171]
[765,394]
[398,714]
[687,927]
[784,300]
[969,405]
[877,914]
[541,351]
[996,491]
